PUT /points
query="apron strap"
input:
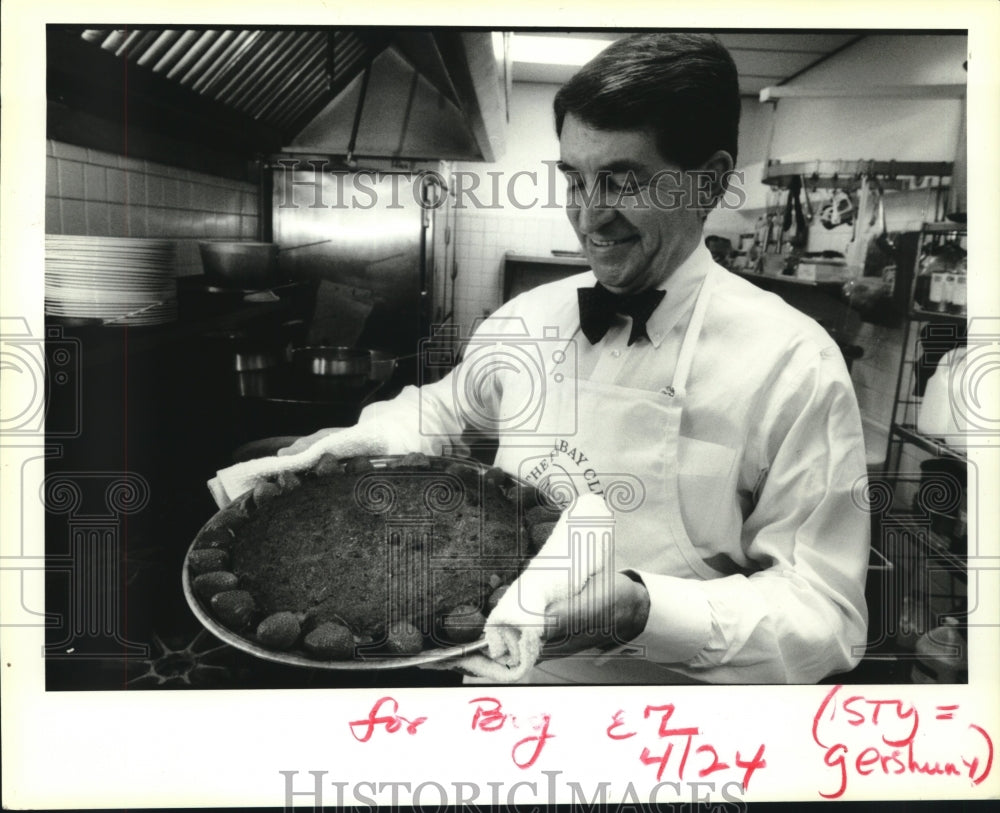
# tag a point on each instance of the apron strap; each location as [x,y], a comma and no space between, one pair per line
[686,355]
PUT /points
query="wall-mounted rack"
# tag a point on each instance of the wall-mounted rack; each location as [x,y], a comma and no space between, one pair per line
[775,92]
[844,174]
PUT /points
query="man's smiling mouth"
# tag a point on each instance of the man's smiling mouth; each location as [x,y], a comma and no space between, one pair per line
[608,243]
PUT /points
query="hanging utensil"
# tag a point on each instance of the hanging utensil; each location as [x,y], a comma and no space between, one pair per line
[839,210]
[880,251]
[793,209]
[886,243]
[809,214]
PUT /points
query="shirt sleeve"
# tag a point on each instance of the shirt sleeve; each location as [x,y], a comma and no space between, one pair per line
[803,616]
[438,418]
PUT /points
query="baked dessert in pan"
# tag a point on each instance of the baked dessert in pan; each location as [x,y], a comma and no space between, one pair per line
[366,563]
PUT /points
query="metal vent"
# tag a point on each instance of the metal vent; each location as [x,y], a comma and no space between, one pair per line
[278,77]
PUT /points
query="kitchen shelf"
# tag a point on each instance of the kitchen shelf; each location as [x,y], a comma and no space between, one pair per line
[931,445]
[522,272]
[548,259]
[944,228]
[918,314]
[835,286]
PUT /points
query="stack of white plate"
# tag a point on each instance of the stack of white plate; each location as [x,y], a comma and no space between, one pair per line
[119,280]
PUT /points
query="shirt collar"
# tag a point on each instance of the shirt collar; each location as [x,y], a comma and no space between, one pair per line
[682,287]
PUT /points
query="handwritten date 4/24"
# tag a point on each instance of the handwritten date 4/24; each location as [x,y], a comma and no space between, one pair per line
[706,758]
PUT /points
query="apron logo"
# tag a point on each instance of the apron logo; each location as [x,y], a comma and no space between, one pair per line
[563,474]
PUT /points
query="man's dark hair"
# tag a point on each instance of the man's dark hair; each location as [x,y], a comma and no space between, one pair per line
[682,87]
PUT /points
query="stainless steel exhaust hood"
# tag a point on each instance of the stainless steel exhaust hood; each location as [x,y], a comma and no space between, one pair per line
[430,94]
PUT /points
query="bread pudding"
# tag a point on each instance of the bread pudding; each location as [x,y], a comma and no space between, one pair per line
[398,555]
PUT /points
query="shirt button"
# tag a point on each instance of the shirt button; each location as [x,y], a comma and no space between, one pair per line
[615,353]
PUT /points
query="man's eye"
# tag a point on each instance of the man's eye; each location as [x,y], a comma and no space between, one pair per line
[626,188]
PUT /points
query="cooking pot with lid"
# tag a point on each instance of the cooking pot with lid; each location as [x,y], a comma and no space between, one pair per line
[345,364]
[239,264]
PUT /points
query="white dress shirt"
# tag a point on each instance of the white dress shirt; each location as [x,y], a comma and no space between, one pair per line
[772,473]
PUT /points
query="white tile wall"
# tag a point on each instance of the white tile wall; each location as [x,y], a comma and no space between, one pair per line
[484,236]
[106,195]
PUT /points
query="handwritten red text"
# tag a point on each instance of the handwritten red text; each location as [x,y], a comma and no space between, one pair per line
[704,758]
[862,736]
[490,716]
[393,722]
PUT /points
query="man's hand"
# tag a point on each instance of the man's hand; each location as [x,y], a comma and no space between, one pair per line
[611,609]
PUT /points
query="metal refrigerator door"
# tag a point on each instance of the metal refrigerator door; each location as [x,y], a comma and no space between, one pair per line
[378,233]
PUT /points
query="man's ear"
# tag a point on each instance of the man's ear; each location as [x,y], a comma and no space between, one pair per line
[716,173]
[720,162]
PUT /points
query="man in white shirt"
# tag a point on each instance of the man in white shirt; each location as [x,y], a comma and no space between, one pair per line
[726,418]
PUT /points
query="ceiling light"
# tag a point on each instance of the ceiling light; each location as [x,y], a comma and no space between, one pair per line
[556,50]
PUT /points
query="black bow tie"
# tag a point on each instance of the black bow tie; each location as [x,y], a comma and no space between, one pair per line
[598,307]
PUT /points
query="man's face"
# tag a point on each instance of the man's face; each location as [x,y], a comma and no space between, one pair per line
[633,233]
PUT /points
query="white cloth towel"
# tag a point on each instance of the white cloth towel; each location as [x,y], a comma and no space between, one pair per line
[578,549]
[228,484]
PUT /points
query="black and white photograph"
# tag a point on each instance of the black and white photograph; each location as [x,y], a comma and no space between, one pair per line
[365,382]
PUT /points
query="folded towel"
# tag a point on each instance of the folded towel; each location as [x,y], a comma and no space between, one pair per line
[579,548]
[228,484]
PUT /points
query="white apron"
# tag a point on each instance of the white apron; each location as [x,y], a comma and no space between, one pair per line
[626,441]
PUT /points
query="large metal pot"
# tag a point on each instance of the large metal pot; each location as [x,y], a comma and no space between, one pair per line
[244,351]
[345,364]
[240,264]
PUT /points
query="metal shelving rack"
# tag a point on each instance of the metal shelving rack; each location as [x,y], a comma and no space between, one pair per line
[903,429]
[906,526]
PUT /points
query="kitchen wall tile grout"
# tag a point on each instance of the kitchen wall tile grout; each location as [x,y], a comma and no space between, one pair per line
[102,194]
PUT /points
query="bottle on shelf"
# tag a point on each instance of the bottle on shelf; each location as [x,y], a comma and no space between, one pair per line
[936,296]
[937,278]
[958,301]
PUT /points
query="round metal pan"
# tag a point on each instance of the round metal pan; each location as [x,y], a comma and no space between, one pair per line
[363,662]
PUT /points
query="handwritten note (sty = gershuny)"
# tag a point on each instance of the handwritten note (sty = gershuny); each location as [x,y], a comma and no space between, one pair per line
[869,740]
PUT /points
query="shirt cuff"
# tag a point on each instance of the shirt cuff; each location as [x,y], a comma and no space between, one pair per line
[680,620]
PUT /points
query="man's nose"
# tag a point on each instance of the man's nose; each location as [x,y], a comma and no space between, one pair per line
[592,215]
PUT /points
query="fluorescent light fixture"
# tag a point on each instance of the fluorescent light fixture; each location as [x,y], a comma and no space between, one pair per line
[556,50]
[499,48]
